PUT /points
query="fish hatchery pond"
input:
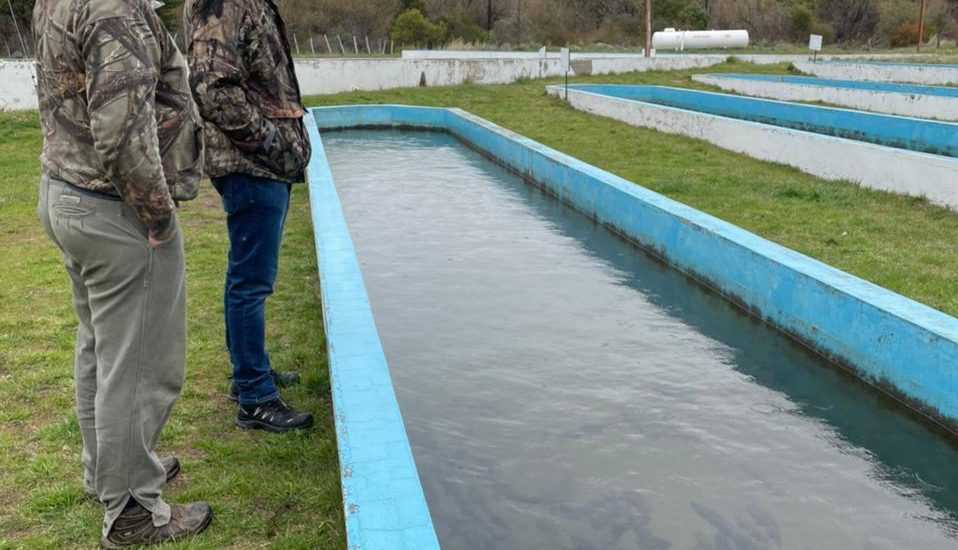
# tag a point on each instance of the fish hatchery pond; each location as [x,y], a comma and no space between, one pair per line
[563,389]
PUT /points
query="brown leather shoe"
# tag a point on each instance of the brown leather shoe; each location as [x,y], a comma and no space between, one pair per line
[135,526]
[170,464]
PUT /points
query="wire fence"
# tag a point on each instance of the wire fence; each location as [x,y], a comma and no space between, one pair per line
[14,44]
[342,45]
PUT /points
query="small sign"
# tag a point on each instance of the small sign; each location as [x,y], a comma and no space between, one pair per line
[815,43]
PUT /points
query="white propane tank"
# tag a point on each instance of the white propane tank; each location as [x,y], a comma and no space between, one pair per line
[671,39]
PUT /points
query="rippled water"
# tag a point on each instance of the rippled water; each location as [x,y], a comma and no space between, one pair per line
[564,390]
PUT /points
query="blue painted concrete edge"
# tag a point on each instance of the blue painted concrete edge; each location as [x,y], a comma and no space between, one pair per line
[891,150]
[941,66]
[864,85]
[900,132]
[383,501]
[906,348]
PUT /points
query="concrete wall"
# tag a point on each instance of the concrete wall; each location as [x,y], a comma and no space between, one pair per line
[901,346]
[330,76]
[905,133]
[335,75]
[492,54]
[895,99]
[760,59]
[18,83]
[915,73]
[873,166]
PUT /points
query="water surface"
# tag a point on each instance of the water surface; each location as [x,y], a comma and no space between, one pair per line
[564,390]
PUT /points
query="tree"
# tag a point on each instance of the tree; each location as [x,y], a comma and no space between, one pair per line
[684,14]
[411,27]
[853,20]
[406,5]
[939,16]
[763,19]
[898,22]
[16,28]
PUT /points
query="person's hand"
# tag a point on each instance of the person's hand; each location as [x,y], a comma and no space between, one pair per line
[153,242]
[166,232]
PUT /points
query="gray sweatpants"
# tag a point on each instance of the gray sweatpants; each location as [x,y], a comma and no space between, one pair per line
[130,345]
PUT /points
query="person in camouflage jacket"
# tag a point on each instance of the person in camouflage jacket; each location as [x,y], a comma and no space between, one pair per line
[243,79]
[122,143]
[115,108]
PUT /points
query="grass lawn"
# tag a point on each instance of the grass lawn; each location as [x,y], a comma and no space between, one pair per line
[266,490]
[283,491]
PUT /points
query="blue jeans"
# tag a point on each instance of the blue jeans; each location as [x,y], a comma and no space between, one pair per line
[255,216]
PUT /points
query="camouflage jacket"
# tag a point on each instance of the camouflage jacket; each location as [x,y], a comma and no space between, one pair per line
[245,85]
[115,105]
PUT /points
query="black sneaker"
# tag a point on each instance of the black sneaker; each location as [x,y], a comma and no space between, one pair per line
[281,379]
[273,416]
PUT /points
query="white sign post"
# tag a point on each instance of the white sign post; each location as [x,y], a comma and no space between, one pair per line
[815,44]
[565,66]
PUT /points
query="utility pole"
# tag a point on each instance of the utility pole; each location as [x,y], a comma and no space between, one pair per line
[648,28]
[921,24]
[489,15]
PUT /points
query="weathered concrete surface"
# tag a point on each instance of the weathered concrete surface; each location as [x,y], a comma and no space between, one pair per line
[335,75]
[760,59]
[873,166]
[18,86]
[330,76]
[916,73]
[491,54]
[895,99]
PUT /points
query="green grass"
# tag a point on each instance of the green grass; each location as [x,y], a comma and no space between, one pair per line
[902,243]
[266,490]
[283,491]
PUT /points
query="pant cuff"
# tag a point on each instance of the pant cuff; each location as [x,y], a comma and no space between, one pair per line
[157,506]
[259,400]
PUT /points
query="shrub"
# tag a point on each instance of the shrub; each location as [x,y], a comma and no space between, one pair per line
[412,27]
[907,34]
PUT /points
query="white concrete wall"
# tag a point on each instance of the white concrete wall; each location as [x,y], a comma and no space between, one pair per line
[760,59]
[334,75]
[929,74]
[330,76]
[490,54]
[895,103]
[17,86]
[873,166]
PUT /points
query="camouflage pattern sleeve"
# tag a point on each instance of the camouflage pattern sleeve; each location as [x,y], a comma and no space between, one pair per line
[122,64]
[218,32]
